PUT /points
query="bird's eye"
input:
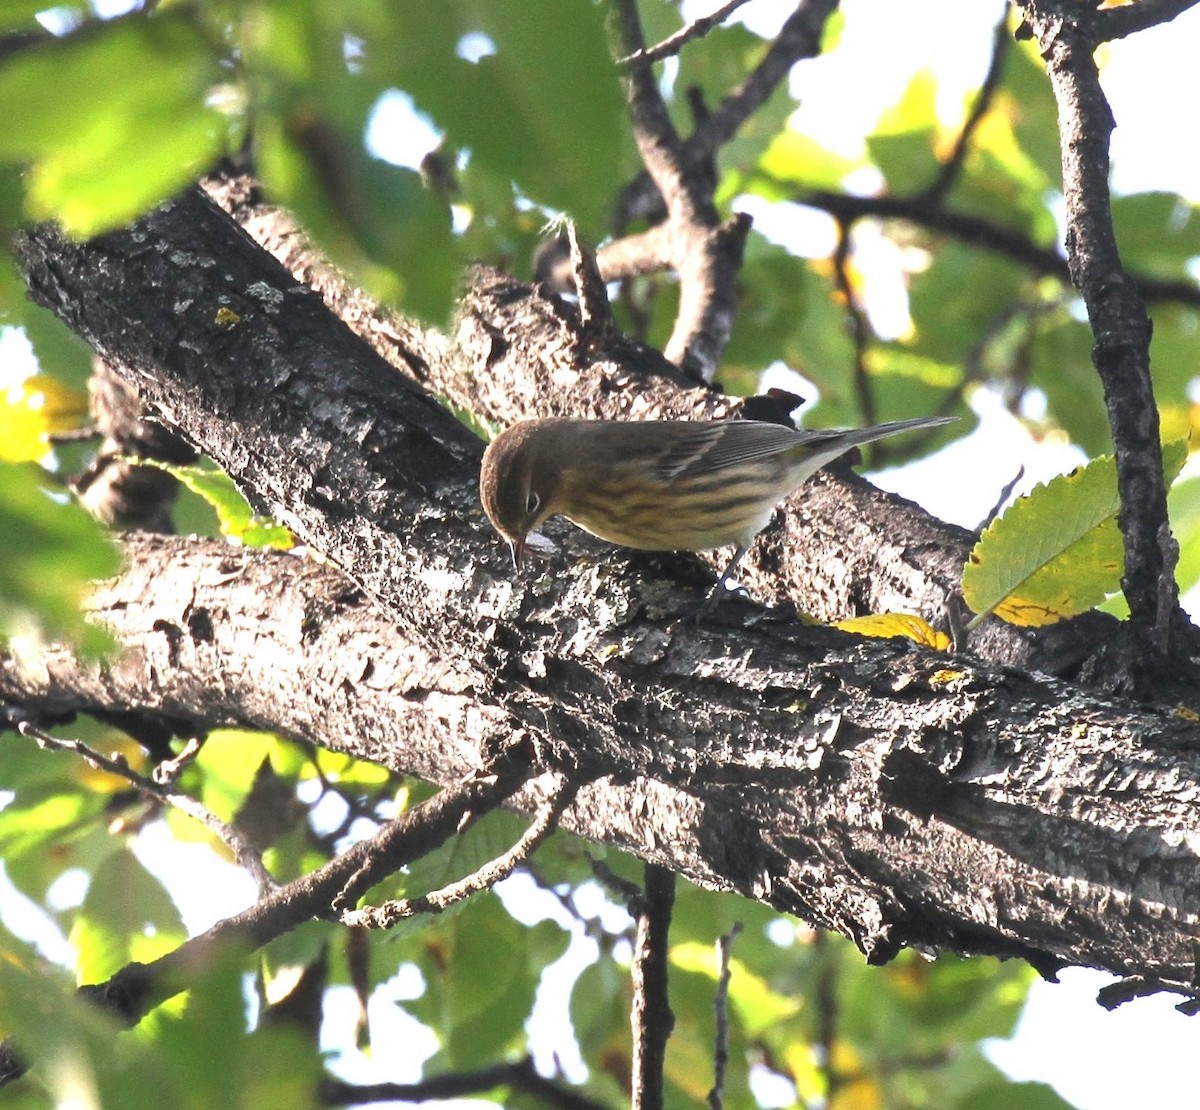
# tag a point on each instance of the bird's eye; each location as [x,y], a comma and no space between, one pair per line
[532,503]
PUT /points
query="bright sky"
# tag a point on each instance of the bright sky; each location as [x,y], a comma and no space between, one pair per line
[1141,1055]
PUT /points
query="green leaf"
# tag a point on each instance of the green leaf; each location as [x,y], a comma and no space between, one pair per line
[236,518]
[757,1005]
[105,147]
[1003,1095]
[1061,357]
[211,1060]
[483,841]
[58,550]
[730,52]
[39,1007]
[902,145]
[905,383]
[600,1003]
[792,159]
[375,220]
[19,14]
[59,351]
[1172,358]
[1158,233]
[228,761]
[1183,506]
[959,298]
[1056,552]
[544,110]
[1029,101]
[127,915]
[480,989]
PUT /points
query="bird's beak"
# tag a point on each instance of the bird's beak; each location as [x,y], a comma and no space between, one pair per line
[517,547]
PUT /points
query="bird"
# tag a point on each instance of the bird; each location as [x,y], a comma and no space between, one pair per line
[658,485]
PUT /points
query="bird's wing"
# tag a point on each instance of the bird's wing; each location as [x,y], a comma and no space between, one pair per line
[719,444]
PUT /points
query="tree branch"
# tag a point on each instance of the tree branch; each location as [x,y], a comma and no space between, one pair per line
[673,44]
[520,1076]
[1116,23]
[138,988]
[865,774]
[1067,37]
[838,547]
[948,174]
[393,912]
[857,325]
[716,1096]
[983,232]
[651,1015]
[243,851]
[798,38]
[706,254]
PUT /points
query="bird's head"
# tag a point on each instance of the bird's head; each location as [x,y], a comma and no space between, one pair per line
[518,483]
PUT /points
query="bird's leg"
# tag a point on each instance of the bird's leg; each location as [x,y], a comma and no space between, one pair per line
[714,595]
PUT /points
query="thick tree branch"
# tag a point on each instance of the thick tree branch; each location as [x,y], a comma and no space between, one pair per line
[1067,38]
[897,797]
[838,547]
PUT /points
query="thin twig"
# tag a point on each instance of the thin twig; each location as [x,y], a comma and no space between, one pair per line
[629,893]
[137,988]
[982,232]
[798,38]
[948,174]
[826,1002]
[169,770]
[74,435]
[651,1017]
[1116,23]
[1003,497]
[389,913]
[594,308]
[716,1097]
[243,851]
[860,329]
[672,44]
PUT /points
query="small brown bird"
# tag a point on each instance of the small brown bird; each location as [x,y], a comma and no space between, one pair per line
[658,485]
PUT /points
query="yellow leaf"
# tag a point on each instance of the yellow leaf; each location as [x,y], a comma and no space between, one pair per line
[886,625]
[857,1090]
[33,410]
[114,745]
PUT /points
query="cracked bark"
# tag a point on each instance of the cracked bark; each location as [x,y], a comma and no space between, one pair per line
[838,547]
[899,797]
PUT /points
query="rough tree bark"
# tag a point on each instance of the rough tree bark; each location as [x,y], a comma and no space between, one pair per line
[898,796]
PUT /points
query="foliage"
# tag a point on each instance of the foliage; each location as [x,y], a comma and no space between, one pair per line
[1057,552]
[107,118]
